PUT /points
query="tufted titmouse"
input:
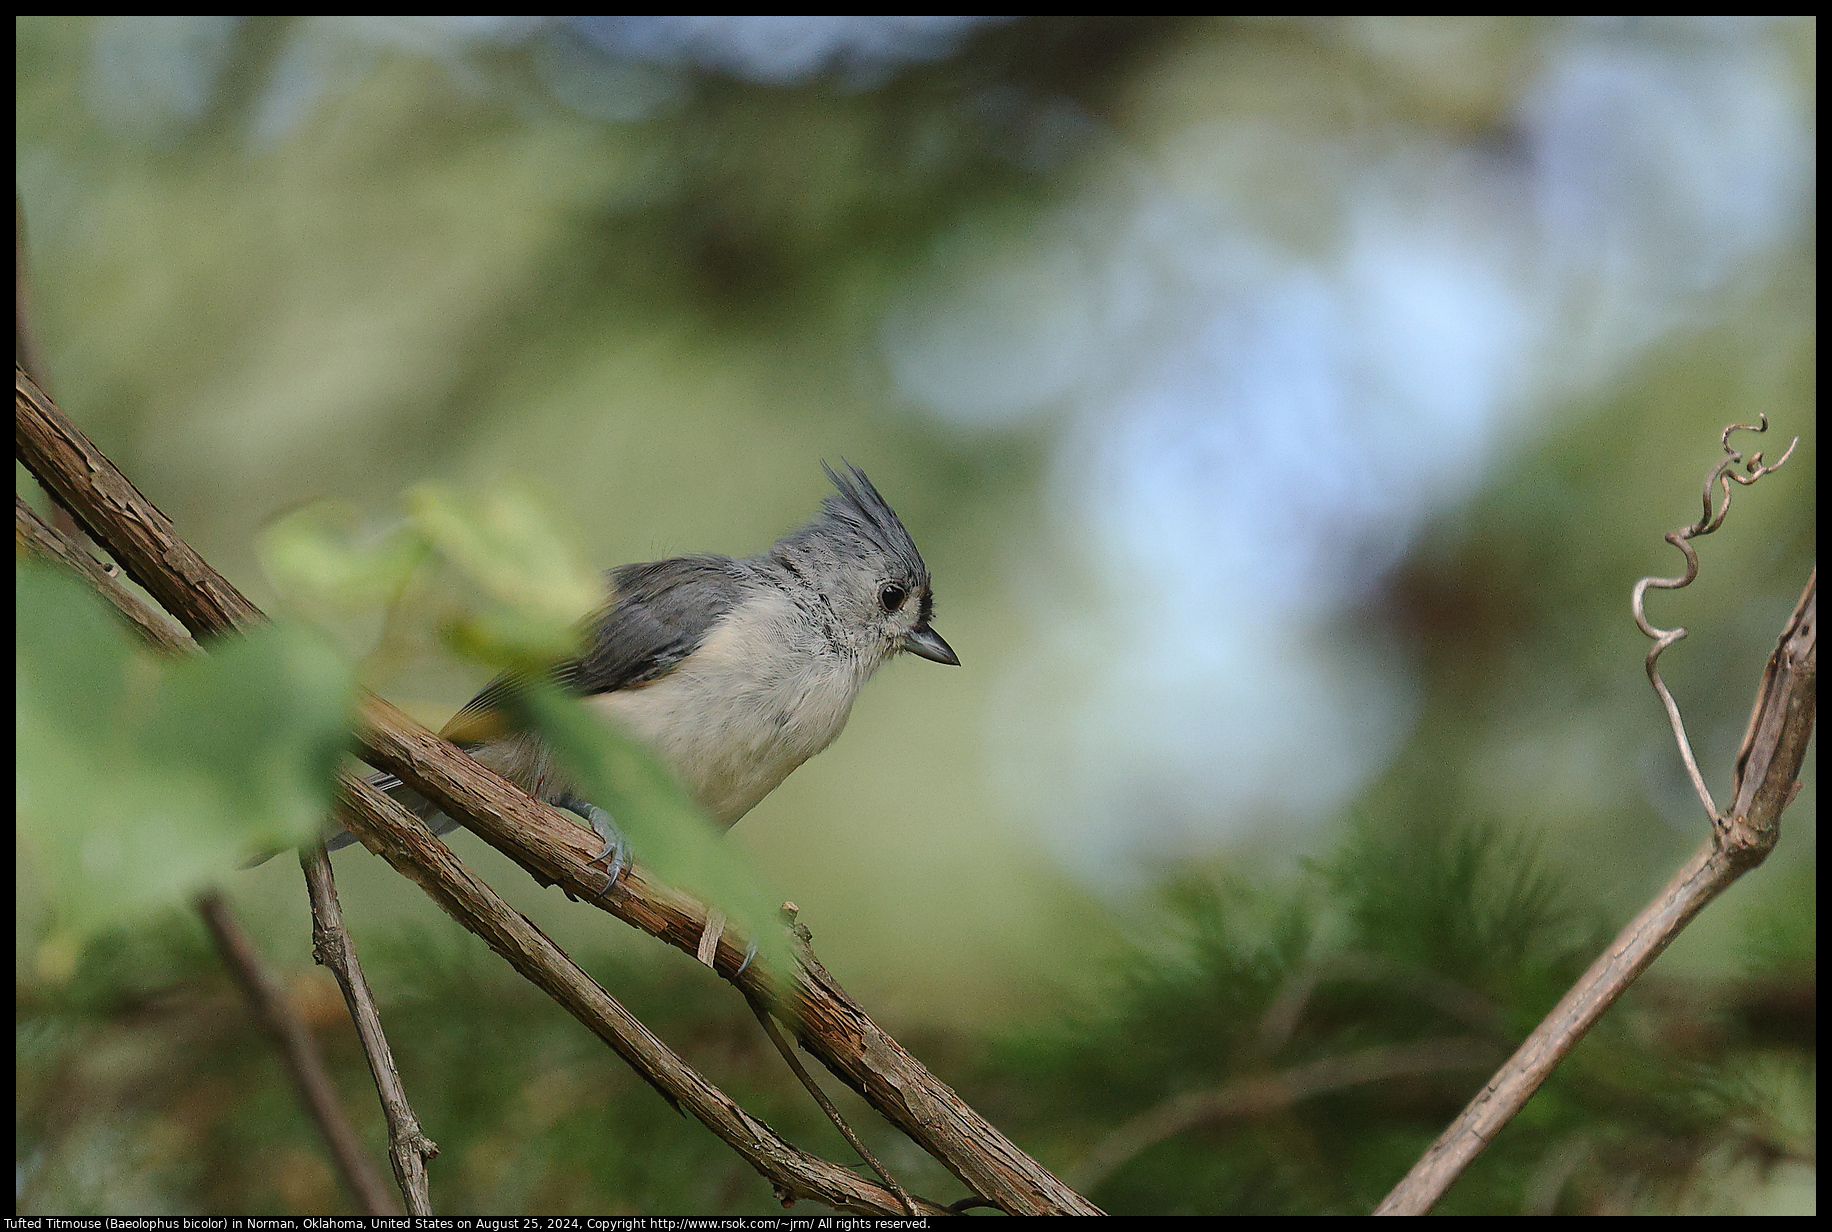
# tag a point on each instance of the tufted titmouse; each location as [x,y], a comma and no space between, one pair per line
[733,672]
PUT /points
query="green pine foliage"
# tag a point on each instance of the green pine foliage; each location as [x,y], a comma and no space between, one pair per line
[144,1084]
[1442,938]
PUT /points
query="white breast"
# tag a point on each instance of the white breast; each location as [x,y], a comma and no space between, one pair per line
[757,699]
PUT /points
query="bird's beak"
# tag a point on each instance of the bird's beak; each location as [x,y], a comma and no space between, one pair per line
[927,642]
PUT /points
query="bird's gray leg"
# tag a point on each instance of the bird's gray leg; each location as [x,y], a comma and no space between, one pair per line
[616,846]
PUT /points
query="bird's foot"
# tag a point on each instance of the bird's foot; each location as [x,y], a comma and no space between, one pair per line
[616,849]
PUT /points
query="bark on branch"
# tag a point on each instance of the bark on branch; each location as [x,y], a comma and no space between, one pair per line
[833,1027]
[1768,770]
[332,946]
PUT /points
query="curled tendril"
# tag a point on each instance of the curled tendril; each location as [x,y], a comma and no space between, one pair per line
[1720,475]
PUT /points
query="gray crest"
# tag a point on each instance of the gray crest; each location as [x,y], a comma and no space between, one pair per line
[858,510]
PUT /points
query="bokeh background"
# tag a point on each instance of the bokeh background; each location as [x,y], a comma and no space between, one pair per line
[1284,408]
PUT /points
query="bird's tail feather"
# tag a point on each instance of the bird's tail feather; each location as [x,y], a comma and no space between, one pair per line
[412,800]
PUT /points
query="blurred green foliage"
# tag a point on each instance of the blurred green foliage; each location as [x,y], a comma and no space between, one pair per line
[141,781]
[1405,935]
[1672,1104]
[659,327]
[145,1087]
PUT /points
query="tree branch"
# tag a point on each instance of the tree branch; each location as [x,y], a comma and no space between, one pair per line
[833,1027]
[768,1023]
[543,840]
[1273,1092]
[37,538]
[408,1146]
[400,838]
[1768,769]
[354,1167]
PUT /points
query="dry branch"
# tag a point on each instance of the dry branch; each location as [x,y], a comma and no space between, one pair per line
[408,1146]
[543,840]
[416,853]
[265,998]
[1768,769]
[35,537]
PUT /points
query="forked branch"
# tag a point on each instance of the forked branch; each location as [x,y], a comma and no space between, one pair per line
[409,1148]
[833,1027]
[1768,768]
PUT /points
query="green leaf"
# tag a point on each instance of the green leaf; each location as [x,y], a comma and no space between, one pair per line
[140,780]
[507,546]
[313,552]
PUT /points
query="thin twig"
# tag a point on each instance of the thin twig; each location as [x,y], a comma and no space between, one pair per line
[1274,1092]
[804,938]
[1720,474]
[408,1146]
[359,1174]
[1764,783]
[820,1097]
[1768,770]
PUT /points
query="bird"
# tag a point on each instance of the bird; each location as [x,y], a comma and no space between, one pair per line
[731,671]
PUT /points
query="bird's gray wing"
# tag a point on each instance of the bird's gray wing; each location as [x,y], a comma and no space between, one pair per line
[658,614]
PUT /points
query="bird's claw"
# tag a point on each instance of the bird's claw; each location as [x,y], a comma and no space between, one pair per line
[616,849]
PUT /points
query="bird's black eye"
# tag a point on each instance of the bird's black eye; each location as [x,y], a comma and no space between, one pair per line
[892,596]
